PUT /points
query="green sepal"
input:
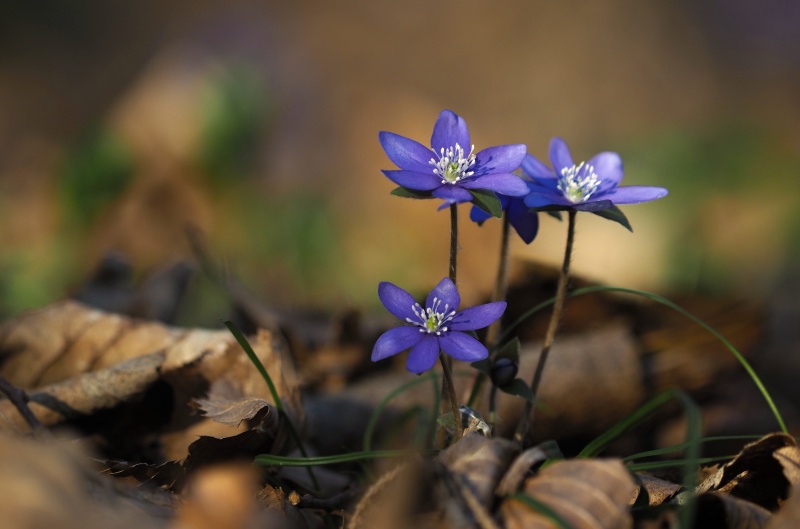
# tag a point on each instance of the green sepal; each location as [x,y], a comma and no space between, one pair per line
[510,351]
[405,192]
[487,201]
[615,214]
[484,366]
[555,213]
[519,388]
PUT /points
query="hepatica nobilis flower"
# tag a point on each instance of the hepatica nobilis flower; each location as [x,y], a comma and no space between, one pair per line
[587,186]
[450,168]
[524,220]
[438,326]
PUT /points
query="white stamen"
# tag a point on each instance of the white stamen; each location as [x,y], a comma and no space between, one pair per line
[431,319]
[452,166]
[578,182]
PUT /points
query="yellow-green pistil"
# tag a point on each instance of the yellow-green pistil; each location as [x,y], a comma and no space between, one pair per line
[452,165]
[578,182]
[431,320]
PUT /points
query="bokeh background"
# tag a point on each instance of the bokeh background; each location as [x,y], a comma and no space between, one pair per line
[125,125]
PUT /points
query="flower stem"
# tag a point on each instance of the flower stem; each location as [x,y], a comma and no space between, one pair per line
[526,420]
[453,241]
[501,282]
[449,401]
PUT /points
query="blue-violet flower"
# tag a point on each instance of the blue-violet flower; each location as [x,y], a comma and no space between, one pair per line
[587,186]
[448,171]
[524,220]
[436,327]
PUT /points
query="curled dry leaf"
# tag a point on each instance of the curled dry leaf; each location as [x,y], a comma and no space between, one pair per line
[466,476]
[658,490]
[587,494]
[715,509]
[76,361]
[50,483]
[231,411]
[789,515]
[761,473]
[480,463]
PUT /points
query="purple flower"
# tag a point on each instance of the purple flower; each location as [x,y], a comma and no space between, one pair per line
[524,220]
[587,186]
[436,327]
[449,171]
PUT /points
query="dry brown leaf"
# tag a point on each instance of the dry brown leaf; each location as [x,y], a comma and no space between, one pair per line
[658,490]
[231,411]
[587,494]
[221,497]
[789,515]
[718,510]
[96,361]
[591,381]
[757,473]
[480,463]
[49,483]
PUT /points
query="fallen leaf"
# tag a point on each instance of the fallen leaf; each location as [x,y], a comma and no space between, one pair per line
[717,510]
[757,472]
[97,364]
[587,494]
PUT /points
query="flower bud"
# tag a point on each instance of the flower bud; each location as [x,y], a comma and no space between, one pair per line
[504,371]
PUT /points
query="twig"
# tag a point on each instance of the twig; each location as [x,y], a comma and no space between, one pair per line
[19,398]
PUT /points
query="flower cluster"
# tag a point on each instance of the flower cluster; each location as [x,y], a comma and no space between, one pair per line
[451,171]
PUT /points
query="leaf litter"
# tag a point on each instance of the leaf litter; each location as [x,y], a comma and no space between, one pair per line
[161,424]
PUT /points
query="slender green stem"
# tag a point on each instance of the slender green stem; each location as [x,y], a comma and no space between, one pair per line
[499,294]
[449,402]
[283,461]
[501,281]
[376,413]
[251,354]
[453,241]
[561,294]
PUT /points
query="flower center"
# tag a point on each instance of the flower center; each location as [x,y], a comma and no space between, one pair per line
[431,319]
[578,182]
[452,165]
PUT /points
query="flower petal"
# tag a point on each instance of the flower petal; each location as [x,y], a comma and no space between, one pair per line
[422,356]
[546,198]
[414,180]
[608,168]
[463,347]
[406,153]
[477,317]
[506,184]
[534,168]
[476,214]
[559,155]
[500,159]
[524,221]
[397,301]
[449,130]
[447,293]
[635,194]
[453,194]
[396,340]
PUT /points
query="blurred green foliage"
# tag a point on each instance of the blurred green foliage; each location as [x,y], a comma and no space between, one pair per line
[737,161]
[95,172]
[234,112]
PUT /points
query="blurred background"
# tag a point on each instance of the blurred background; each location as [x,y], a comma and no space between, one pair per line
[253,125]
